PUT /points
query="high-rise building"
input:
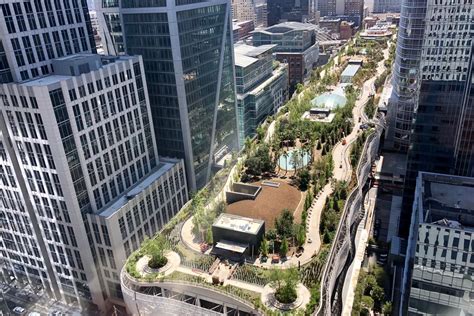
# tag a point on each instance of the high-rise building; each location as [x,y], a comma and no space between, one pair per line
[33,33]
[244,10]
[349,10]
[261,88]
[438,278]
[187,52]
[81,181]
[405,73]
[434,90]
[296,45]
[386,6]
[261,15]
[289,11]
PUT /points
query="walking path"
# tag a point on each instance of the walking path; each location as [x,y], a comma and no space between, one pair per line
[342,172]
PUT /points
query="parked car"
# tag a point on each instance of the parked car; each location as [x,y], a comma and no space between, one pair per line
[19,310]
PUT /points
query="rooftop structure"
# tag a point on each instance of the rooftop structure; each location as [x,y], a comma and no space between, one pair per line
[349,72]
[329,100]
[380,31]
[261,88]
[239,224]
[192,90]
[439,266]
[296,45]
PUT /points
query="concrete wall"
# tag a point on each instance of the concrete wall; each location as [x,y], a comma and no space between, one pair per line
[242,191]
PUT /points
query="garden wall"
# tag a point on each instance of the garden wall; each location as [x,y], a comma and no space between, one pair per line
[241,191]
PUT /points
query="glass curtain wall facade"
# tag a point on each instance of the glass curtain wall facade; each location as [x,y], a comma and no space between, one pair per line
[187,52]
[442,137]
[406,72]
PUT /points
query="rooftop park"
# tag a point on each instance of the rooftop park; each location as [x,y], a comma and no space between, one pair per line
[301,208]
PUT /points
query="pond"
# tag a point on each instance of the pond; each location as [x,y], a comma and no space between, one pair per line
[303,159]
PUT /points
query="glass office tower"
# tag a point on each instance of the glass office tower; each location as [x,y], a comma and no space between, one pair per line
[442,131]
[406,72]
[187,50]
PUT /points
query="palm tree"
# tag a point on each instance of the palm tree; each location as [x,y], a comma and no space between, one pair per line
[285,154]
[295,159]
[278,153]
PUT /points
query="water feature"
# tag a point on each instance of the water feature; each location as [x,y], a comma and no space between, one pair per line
[303,159]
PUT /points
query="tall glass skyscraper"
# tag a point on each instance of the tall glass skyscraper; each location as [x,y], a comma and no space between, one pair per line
[187,51]
[434,73]
[406,73]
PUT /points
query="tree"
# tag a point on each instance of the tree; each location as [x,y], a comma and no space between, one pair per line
[284,248]
[367,302]
[303,179]
[248,145]
[209,238]
[155,249]
[387,308]
[285,282]
[264,248]
[295,159]
[299,88]
[260,132]
[271,234]
[300,234]
[284,224]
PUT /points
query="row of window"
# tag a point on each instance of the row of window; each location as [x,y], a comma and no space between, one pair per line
[25,126]
[122,181]
[122,128]
[127,154]
[18,223]
[154,200]
[11,200]
[37,18]
[43,182]
[65,256]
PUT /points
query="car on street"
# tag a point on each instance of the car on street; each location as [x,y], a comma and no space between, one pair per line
[19,310]
[34,314]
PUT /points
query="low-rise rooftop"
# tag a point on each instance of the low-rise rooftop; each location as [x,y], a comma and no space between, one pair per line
[447,199]
[123,199]
[285,27]
[238,223]
[350,70]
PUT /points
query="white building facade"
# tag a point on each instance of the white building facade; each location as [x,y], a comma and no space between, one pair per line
[77,153]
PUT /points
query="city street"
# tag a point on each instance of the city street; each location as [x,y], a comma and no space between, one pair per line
[14,295]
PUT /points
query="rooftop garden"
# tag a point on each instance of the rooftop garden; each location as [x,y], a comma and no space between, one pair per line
[287,135]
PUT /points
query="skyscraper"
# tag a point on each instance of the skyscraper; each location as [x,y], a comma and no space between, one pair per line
[406,72]
[433,109]
[244,10]
[187,51]
[81,184]
[290,10]
[351,10]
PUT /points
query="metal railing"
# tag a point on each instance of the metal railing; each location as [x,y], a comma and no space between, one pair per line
[342,250]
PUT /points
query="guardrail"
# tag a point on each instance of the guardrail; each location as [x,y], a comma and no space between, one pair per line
[342,249]
[130,284]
